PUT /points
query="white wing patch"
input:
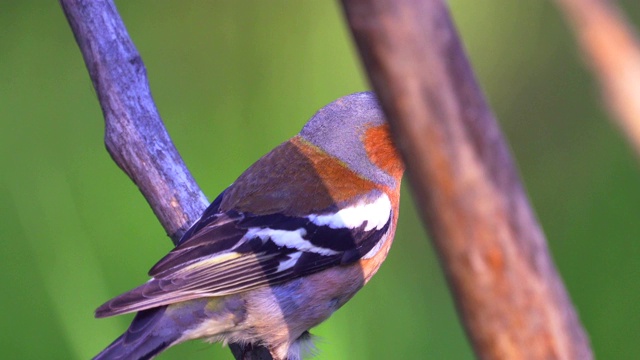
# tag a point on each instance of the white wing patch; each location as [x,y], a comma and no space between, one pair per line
[376,214]
[289,263]
[291,239]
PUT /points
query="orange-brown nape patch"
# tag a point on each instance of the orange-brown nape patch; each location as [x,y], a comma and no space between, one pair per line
[341,183]
[381,150]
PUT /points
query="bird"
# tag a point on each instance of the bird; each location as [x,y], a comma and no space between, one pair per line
[290,241]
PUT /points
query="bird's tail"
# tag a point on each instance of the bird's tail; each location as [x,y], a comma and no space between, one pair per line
[144,339]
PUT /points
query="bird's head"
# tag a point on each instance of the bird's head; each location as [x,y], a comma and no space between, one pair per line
[354,130]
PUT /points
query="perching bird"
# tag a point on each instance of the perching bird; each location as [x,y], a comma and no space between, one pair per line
[282,248]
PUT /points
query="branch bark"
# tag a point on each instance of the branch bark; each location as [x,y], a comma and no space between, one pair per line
[134,133]
[611,49]
[509,295]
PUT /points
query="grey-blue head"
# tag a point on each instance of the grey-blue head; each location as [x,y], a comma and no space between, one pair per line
[341,129]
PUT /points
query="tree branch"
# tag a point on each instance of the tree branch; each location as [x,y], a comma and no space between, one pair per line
[509,295]
[611,49]
[134,133]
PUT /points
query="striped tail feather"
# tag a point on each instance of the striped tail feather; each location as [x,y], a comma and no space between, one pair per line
[142,340]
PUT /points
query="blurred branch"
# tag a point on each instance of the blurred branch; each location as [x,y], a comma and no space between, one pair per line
[508,292]
[134,133]
[610,47]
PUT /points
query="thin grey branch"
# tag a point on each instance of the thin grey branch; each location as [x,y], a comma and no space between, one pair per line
[134,133]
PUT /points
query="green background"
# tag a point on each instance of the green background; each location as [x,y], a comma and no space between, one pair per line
[232,79]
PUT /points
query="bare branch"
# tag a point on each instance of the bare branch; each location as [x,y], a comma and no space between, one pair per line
[511,299]
[610,47]
[134,133]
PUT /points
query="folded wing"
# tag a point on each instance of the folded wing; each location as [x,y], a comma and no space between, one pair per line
[230,252]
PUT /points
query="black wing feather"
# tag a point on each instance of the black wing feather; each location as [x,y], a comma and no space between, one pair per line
[215,258]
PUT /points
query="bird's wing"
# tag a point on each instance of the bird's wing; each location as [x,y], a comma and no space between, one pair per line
[229,252]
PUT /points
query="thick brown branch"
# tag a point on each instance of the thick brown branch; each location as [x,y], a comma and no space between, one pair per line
[610,47]
[508,292]
[134,133]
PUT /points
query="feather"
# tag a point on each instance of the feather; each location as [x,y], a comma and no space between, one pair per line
[232,252]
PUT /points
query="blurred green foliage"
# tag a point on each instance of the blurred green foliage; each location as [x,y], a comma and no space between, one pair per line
[232,79]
